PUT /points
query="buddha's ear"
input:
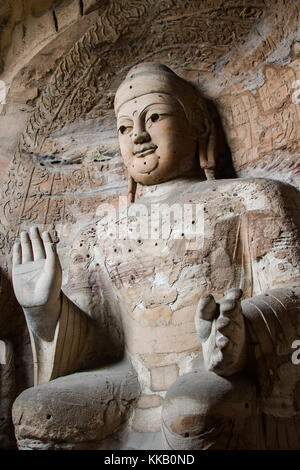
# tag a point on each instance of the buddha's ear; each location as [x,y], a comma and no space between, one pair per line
[131,190]
[207,148]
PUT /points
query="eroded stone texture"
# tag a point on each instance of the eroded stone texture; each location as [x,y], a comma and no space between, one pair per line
[77,411]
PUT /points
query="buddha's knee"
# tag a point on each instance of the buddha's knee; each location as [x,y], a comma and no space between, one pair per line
[205,411]
[76,411]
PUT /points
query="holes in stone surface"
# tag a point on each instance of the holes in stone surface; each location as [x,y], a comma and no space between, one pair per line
[81,7]
[49,417]
[129,251]
[55,20]
[115,250]
[130,86]
[186,434]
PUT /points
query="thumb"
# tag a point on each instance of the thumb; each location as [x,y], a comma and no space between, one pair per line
[205,314]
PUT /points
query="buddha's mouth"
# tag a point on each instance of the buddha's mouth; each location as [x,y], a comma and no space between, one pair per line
[145,150]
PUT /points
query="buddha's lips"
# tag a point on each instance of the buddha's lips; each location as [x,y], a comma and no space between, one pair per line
[146,150]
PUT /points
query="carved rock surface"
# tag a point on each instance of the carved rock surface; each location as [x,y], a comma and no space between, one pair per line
[76,411]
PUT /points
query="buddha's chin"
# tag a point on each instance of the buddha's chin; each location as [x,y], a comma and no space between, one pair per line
[143,165]
[144,174]
[146,179]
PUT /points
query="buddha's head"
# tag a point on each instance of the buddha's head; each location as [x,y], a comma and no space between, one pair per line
[164,127]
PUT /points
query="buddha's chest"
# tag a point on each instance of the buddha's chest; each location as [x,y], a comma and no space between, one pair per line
[168,252]
[167,255]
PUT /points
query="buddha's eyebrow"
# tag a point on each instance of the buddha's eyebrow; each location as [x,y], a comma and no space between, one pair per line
[152,104]
[124,117]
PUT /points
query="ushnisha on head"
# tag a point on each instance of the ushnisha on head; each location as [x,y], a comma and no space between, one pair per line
[164,126]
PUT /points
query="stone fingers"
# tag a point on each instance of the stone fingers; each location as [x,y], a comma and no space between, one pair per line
[33,247]
[230,301]
[17,254]
[37,244]
[234,294]
[26,248]
[207,307]
[49,246]
[205,314]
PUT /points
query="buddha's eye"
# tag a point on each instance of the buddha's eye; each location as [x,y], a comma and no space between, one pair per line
[154,117]
[124,129]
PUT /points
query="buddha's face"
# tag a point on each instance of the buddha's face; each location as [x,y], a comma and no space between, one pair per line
[156,140]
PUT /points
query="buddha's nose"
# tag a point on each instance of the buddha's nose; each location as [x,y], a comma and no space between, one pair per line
[140,134]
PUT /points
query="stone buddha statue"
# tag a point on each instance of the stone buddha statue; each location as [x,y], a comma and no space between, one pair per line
[204,320]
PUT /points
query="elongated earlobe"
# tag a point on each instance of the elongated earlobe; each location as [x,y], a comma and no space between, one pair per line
[131,190]
[207,150]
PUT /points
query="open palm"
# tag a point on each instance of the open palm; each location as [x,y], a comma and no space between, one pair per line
[36,270]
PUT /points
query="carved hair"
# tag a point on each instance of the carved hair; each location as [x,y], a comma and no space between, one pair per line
[153,77]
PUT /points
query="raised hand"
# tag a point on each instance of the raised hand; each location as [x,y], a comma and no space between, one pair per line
[37,280]
[221,328]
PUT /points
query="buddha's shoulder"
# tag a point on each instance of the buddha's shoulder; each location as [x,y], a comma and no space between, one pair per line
[245,187]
